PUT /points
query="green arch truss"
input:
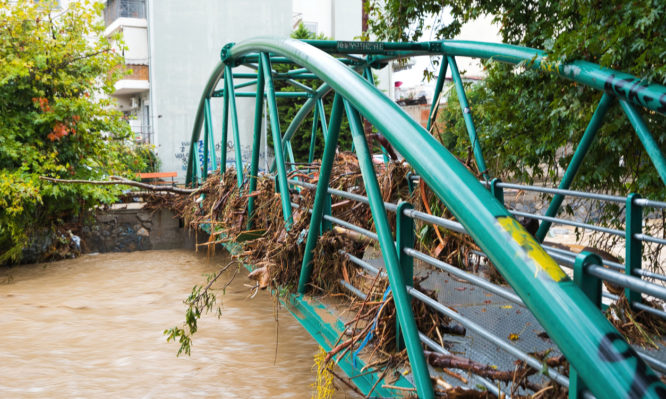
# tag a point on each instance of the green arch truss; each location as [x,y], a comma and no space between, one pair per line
[608,366]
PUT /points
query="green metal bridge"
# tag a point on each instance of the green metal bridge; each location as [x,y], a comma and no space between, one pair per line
[603,364]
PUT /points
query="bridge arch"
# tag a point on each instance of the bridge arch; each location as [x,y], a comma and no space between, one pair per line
[574,323]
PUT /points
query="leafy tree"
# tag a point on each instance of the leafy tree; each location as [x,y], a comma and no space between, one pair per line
[527,117]
[56,71]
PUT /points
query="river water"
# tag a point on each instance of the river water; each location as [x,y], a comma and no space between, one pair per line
[92,327]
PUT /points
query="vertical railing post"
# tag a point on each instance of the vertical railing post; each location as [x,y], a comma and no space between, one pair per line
[395,275]
[633,246]
[467,116]
[591,287]
[496,190]
[321,193]
[228,76]
[281,180]
[404,238]
[256,143]
[576,161]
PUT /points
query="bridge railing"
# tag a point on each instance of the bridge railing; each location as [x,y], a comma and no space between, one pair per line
[569,312]
[564,257]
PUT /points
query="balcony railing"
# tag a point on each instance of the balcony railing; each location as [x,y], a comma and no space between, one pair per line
[124,9]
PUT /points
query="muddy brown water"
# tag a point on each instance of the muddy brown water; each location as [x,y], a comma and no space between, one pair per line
[92,327]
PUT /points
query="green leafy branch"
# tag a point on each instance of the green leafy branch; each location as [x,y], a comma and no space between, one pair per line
[200,301]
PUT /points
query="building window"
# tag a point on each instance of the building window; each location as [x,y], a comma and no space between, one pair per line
[124,9]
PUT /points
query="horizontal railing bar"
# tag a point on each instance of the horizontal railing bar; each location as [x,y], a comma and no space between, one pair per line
[375,270]
[438,348]
[610,264]
[472,279]
[447,224]
[644,202]
[352,227]
[619,233]
[645,237]
[344,194]
[365,265]
[566,261]
[487,335]
[571,193]
[353,289]
[637,305]
[632,282]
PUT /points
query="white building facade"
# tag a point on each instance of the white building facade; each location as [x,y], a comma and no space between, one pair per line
[172,47]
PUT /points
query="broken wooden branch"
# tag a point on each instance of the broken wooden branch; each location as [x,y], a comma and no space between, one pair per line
[122,181]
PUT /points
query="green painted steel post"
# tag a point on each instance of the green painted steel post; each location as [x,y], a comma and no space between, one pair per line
[197,165]
[591,287]
[321,193]
[313,137]
[207,135]
[497,191]
[322,118]
[211,138]
[367,73]
[633,247]
[651,146]
[410,181]
[290,155]
[256,144]
[395,273]
[438,90]
[225,130]
[467,116]
[234,124]
[277,140]
[404,238]
[576,161]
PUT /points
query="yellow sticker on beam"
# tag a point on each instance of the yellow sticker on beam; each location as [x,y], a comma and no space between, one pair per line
[532,250]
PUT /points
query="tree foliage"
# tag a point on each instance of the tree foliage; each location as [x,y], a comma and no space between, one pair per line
[530,122]
[56,72]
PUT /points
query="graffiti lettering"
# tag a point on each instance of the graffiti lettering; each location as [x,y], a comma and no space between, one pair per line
[643,379]
[631,88]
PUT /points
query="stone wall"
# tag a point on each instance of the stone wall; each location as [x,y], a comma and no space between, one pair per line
[127,227]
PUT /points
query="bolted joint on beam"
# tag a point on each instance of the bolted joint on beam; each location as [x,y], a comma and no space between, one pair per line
[225,53]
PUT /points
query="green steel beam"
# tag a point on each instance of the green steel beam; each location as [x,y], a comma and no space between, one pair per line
[651,146]
[225,132]
[576,161]
[322,118]
[396,274]
[612,368]
[367,73]
[277,140]
[467,116]
[209,141]
[320,194]
[438,91]
[234,124]
[256,144]
[198,122]
[313,136]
